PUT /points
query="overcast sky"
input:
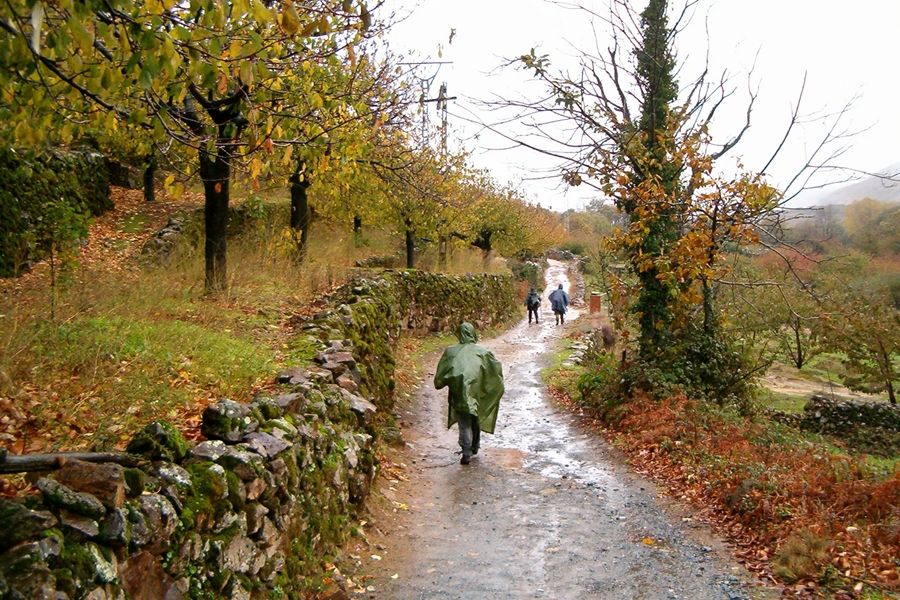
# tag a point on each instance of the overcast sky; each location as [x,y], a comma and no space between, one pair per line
[844,51]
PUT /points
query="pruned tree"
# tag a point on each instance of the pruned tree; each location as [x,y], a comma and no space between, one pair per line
[345,106]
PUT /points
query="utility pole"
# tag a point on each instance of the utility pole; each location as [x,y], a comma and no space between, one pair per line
[441,100]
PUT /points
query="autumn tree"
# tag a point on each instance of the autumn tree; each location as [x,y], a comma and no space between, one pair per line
[208,75]
[865,328]
[644,140]
[872,226]
[343,103]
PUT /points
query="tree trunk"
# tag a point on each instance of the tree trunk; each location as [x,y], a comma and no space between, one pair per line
[443,242]
[357,225]
[483,241]
[300,211]
[149,180]
[799,356]
[410,244]
[216,176]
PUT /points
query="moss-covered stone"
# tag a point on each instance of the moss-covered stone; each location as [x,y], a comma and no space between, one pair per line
[159,440]
[229,421]
[18,523]
[59,496]
[209,498]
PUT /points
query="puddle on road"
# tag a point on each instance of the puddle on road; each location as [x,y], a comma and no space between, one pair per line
[528,422]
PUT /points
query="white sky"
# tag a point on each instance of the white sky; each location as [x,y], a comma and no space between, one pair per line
[844,52]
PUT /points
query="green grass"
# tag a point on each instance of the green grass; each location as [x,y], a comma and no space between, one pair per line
[131,344]
[883,466]
[789,403]
[825,367]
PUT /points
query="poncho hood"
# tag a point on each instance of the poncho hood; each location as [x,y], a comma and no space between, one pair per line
[474,378]
[466,334]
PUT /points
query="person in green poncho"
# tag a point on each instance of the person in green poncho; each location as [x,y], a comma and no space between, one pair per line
[474,378]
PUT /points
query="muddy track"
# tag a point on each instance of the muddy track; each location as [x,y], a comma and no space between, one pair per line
[546,510]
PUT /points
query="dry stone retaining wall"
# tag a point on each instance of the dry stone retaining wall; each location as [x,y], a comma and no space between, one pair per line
[256,508]
[872,427]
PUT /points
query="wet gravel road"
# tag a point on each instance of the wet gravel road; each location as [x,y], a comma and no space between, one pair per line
[546,510]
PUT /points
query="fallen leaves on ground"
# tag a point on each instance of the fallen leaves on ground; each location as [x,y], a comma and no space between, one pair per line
[798,490]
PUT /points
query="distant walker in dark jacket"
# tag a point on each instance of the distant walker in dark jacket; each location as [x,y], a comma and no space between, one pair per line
[559,302]
[533,303]
[474,378]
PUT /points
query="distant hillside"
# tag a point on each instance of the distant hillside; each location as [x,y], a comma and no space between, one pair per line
[870,187]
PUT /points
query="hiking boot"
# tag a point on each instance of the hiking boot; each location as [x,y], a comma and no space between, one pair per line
[465,459]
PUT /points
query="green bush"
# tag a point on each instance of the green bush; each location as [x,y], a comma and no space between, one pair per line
[703,367]
[573,246]
[530,271]
[599,386]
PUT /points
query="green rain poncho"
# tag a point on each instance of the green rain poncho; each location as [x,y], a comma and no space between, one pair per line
[474,377]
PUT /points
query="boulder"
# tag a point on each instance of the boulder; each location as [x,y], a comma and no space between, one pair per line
[364,409]
[255,512]
[320,375]
[210,450]
[115,529]
[105,564]
[140,532]
[267,446]
[246,465]
[162,520]
[143,578]
[347,382]
[291,403]
[78,526]
[294,376]
[20,524]
[25,572]
[237,555]
[267,407]
[174,475]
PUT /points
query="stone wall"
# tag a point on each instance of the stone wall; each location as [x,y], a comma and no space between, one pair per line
[871,427]
[258,507]
[79,179]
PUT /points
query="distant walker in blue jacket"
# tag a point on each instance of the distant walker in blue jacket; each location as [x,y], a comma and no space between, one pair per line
[559,302]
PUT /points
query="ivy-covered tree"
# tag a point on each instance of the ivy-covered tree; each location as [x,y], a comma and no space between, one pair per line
[644,141]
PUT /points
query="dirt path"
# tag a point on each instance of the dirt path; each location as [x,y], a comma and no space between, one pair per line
[546,510]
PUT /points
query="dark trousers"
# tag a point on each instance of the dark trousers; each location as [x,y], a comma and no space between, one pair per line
[533,311]
[469,433]
[560,317]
